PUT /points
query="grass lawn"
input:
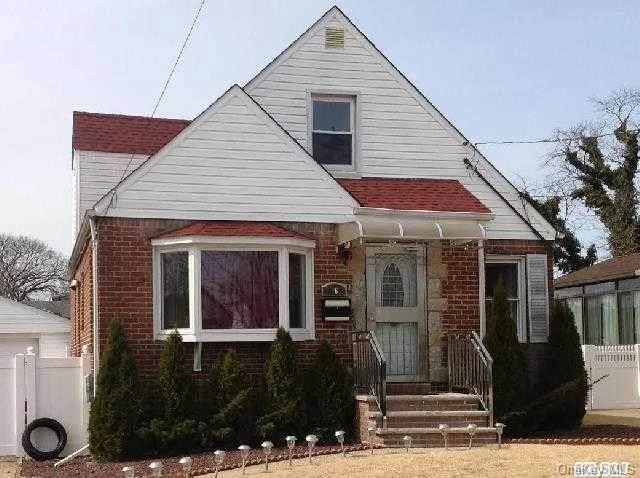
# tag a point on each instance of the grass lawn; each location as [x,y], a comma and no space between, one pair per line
[512,460]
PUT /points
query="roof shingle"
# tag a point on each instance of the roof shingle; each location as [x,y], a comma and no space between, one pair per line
[610,269]
[123,134]
[446,195]
[232,228]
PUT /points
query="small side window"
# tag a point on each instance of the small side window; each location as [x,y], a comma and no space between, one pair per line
[333,130]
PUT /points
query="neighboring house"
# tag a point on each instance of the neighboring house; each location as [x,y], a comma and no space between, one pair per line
[605,300]
[58,305]
[23,326]
[328,166]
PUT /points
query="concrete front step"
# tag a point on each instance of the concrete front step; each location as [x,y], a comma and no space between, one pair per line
[430,418]
[441,401]
[431,436]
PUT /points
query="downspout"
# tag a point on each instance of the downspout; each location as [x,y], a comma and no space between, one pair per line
[481,289]
[96,318]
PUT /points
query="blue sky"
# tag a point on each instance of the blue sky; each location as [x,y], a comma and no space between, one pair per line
[496,69]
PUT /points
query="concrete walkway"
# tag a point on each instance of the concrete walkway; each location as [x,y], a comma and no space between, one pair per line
[630,417]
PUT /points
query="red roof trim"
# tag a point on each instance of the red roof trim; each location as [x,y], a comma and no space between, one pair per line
[230,229]
[444,195]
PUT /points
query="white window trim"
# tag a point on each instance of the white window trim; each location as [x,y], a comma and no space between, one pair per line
[346,96]
[194,245]
[521,323]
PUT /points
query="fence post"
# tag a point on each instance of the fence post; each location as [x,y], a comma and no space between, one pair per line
[636,349]
[25,394]
[588,352]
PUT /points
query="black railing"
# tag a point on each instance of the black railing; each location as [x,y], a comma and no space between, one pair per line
[370,367]
[471,368]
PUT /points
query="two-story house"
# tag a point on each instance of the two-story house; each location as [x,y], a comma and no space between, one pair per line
[327,167]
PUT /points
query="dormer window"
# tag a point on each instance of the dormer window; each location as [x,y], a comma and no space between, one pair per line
[333,128]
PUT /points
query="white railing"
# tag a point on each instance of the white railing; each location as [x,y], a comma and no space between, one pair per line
[615,369]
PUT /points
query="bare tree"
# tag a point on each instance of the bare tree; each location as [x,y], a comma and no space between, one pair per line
[597,163]
[30,268]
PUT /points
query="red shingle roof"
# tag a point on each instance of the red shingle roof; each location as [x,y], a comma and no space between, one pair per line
[413,194]
[232,228]
[611,269]
[123,134]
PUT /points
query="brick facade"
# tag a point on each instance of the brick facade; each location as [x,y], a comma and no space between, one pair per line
[125,292]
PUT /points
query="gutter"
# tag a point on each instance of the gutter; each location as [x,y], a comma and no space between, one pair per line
[96,316]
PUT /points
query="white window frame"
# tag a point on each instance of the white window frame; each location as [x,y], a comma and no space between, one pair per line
[351,97]
[521,322]
[194,245]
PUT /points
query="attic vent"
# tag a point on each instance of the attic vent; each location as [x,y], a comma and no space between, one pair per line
[334,38]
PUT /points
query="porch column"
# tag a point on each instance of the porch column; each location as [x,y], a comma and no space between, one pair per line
[436,305]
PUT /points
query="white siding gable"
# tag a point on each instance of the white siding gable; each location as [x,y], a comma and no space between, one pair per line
[232,163]
[398,132]
[94,174]
[18,318]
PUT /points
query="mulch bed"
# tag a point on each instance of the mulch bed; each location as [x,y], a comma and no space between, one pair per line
[588,435]
[202,463]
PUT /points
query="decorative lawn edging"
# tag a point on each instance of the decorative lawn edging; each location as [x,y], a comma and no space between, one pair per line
[202,464]
[575,441]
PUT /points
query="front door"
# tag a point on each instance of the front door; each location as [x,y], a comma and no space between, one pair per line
[395,308]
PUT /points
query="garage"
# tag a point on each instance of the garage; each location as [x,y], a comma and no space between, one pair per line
[23,326]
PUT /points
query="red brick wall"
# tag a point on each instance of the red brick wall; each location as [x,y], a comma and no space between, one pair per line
[82,304]
[125,292]
[460,287]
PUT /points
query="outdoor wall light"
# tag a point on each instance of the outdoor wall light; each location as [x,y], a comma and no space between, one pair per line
[291,442]
[128,472]
[499,430]
[340,437]
[311,441]
[444,429]
[407,442]
[156,469]
[372,432]
[471,430]
[266,446]
[218,458]
[244,454]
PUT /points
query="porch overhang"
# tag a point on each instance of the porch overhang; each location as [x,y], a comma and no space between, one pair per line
[389,224]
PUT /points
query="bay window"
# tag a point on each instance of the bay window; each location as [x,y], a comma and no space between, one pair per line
[225,289]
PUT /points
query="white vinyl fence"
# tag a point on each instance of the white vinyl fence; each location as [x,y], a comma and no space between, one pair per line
[34,387]
[616,368]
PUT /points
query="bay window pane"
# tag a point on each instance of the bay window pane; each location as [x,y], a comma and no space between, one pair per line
[239,289]
[575,306]
[297,291]
[175,290]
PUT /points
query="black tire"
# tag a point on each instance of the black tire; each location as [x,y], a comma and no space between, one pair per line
[52,424]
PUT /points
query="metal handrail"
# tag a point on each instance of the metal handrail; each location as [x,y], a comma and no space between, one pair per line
[370,367]
[471,368]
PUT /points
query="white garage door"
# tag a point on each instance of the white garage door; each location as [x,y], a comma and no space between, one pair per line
[9,346]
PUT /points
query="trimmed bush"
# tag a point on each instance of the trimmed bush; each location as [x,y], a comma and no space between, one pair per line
[284,407]
[509,366]
[116,407]
[175,385]
[561,408]
[329,392]
[231,400]
[566,362]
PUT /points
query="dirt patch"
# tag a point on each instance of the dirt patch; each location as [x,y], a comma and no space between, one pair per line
[596,434]
[9,468]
